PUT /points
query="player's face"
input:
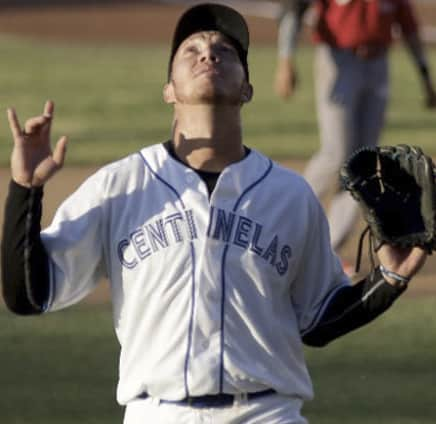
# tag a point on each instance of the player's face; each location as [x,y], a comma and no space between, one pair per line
[207,70]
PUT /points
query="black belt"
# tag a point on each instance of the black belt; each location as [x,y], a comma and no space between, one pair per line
[210,401]
[368,52]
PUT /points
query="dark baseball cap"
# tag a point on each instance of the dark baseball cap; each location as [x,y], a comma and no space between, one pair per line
[213,17]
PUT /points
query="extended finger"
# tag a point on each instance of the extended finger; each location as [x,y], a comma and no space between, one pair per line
[419,253]
[60,151]
[49,109]
[48,115]
[14,124]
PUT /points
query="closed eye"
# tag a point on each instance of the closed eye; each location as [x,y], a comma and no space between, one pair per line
[190,50]
[225,48]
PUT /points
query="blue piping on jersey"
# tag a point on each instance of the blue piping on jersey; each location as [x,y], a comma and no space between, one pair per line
[223,296]
[363,299]
[270,164]
[324,305]
[223,275]
[52,288]
[163,181]
[191,315]
[191,321]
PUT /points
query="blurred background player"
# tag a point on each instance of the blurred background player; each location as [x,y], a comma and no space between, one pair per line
[352,39]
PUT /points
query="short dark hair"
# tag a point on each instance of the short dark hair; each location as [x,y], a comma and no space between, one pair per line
[213,17]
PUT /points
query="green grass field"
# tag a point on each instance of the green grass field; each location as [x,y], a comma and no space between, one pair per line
[109,100]
[62,369]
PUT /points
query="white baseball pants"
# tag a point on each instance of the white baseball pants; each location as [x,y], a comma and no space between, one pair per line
[273,409]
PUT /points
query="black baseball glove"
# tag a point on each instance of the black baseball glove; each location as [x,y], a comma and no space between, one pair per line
[395,186]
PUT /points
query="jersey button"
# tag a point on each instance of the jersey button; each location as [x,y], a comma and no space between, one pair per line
[205,344]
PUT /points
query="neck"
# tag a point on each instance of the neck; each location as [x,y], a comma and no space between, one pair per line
[208,138]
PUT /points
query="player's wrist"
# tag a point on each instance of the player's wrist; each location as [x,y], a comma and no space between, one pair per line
[393,278]
[22,182]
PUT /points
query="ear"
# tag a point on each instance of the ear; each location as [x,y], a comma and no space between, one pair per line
[168,93]
[247,92]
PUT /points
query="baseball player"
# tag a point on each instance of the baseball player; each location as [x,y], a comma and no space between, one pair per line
[351,81]
[219,259]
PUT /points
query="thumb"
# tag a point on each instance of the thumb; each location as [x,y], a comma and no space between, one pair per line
[60,151]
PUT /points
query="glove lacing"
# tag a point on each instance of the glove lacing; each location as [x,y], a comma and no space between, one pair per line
[370,249]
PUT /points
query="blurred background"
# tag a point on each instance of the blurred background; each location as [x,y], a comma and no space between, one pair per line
[104,64]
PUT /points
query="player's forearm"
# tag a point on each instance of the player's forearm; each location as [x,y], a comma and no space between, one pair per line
[290,23]
[25,271]
[417,52]
[353,307]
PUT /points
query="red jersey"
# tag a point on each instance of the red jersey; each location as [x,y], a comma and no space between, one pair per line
[353,23]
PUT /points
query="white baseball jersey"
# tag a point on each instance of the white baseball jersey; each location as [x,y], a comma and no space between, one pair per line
[210,294]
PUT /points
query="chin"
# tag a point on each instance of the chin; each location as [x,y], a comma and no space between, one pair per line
[216,97]
[217,101]
[209,91]
[212,92]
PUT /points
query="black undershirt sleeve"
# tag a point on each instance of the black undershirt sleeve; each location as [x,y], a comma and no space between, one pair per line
[25,269]
[352,307]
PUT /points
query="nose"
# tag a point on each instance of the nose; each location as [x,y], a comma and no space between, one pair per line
[209,55]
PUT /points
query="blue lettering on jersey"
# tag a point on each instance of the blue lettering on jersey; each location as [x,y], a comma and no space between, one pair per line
[285,255]
[248,234]
[139,243]
[155,236]
[122,245]
[224,226]
[242,233]
[270,254]
[173,220]
[254,245]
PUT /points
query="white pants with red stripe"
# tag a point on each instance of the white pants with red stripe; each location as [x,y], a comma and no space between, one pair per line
[272,409]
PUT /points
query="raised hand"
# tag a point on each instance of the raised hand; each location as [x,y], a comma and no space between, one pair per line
[33,162]
[285,79]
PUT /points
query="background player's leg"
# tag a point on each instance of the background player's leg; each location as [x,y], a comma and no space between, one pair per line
[342,216]
[372,106]
[338,81]
[334,98]
[369,116]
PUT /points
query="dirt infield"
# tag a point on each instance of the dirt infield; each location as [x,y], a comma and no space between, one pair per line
[127,22]
[131,23]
